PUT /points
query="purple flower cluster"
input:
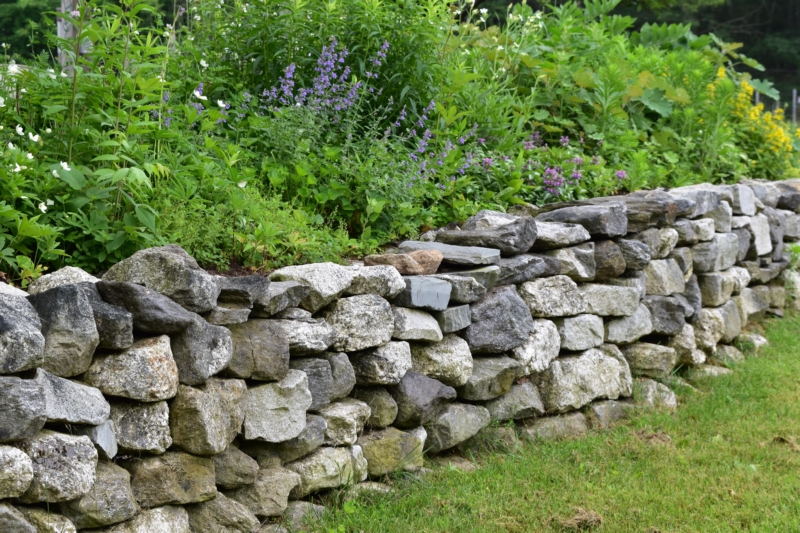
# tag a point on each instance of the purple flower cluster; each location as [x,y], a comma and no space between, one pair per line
[564,141]
[553,180]
[621,175]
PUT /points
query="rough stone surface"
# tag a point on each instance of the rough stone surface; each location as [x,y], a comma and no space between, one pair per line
[721,217]
[491,229]
[141,427]
[307,336]
[222,515]
[419,263]
[300,514]
[683,256]
[603,414]
[233,469]
[269,494]
[306,442]
[415,325]
[242,291]
[541,347]
[685,347]
[708,371]
[728,355]
[204,422]
[382,406]
[664,277]
[109,501]
[558,235]
[653,394]
[320,379]
[609,300]
[22,408]
[491,377]
[522,268]
[487,276]
[577,262]
[650,360]
[456,255]
[328,468]
[70,401]
[732,320]
[500,322]
[609,220]
[449,361]
[226,316]
[10,290]
[718,254]
[759,227]
[342,373]
[201,350]
[453,319]
[580,332]
[45,521]
[382,280]
[455,424]
[632,278]
[16,472]
[419,399]
[114,324]
[636,254]
[385,365]
[69,330]
[63,276]
[573,381]
[171,479]
[260,351]
[464,289]
[553,297]
[345,419]
[391,450]
[21,342]
[629,329]
[63,466]
[151,312]
[280,295]
[522,401]
[12,521]
[360,322]
[166,519]
[556,427]
[744,201]
[667,314]
[425,292]
[103,436]
[326,282]
[708,329]
[146,371]
[275,412]
[609,260]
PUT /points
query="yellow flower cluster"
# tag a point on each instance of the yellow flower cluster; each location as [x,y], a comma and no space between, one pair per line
[769,131]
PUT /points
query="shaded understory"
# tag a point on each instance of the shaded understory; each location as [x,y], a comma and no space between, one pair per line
[725,461]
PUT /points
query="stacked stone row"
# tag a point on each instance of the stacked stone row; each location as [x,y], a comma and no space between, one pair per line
[163,398]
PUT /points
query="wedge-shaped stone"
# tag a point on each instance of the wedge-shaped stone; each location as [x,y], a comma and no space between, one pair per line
[425,292]
[13,521]
[455,424]
[685,346]
[759,228]
[522,401]
[456,255]
[342,373]
[328,468]
[577,262]
[269,494]
[636,254]
[260,351]
[391,450]
[141,427]
[487,276]
[452,319]
[552,235]
[280,295]
[541,347]
[449,361]
[114,324]
[629,329]
[326,282]
[276,412]
[360,322]
[722,217]
[419,399]
[70,401]
[109,501]
[21,341]
[311,438]
[491,229]
[151,312]
[491,377]
[553,297]
[345,420]
[171,479]
[382,280]
[580,332]
[608,219]
[45,520]
[500,322]
[608,300]
[732,321]
[320,379]
[522,268]
[650,360]
[104,438]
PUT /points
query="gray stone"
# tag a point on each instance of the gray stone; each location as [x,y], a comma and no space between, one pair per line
[609,219]
[685,347]
[242,291]
[491,229]
[227,316]
[456,255]
[342,374]
[16,472]
[705,195]
[752,343]
[142,427]
[425,292]
[491,377]
[721,217]
[759,227]
[464,289]
[21,342]
[391,450]
[649,237]
[764,191]
[666,314]
[522,401]
[12,521]
[487,276]
[205,422]
[573,381]
[635,254]
[558,235]
[629,329]
[382,280]
[687,232]
[541,347]
[716,288]
[716,255]
[683,256]
[234,468]
[664,277]
[650,360]
[300,514]
[146,371]
[791,228]
[151,312]
[10,290]
[114,324]
[63,467]
[577,262]
[385,365]
[653,394]
[449,361]
[307,336]
[69,330]
[276,412]
[260,351]
[708,371]
[743,200]
[361,322]
[166,519]
[23,411]
[109,501]
[603,414]
[728,355]
[46,521]
[609,300]
[609,260]
[70,401]
[269,494]
[383,407]
[708,329]
[415,325]
[328,468]
[745,239]
[453,319]
[171,479]
[553,297]
[732,321]
[500,322]
[693,296]
[320,379]
[555,427]
[170,271]
[625,378]
[63,276]
[522,268]
[222,515]
[580,332]
[455,424]
[632,278]
[419,399]
[201,350]
[311,438]
[346,419]
[326,282]
[280,295]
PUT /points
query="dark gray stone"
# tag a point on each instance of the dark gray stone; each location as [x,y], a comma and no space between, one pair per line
[577,262]
[342,373]
[693,296]
[242,291]
[453,318]
[152,312]
[666,314]
[704,200]
[522,401]
[682,256]
[201,350]
[22,408]
[687,233]
[635,253]
[490,229]
[649,237]
[465,289]
[114,324]
[12,521]
[233,469]
[21,342]
[500,322]
[320,379]
[456,423]
[491,377]
[609,220]
[260,351]
[487,276]
[424,292]
[522,268]
[280,295]
[456,255]
[419,399]
[609,260]
[70,401]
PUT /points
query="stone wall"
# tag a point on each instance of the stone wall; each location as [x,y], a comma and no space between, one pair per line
[165,399]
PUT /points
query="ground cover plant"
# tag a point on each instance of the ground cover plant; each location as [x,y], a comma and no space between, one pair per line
[726,460]
[291,131]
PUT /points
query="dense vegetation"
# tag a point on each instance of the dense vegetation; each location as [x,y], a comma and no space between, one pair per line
[295,130]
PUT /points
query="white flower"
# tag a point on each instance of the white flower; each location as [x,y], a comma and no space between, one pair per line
[24,197]
[34,138]
[203,63]
[65,166]
[50,202]
[2,102]
[29,156]
[483,11]
[23,90]
[11,146]
[42,207]
[17,168]
[13,68]
[221,104]
[63,74]
[20,131]
[136,32]
[51,73]
[199,96]
[500,47]
[55,173]
[242,184]
[197,17]
[48,130]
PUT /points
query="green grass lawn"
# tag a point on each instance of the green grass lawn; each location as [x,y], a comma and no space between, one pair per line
[729,464]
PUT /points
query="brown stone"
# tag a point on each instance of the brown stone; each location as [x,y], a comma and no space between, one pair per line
[609,260]
[416,263]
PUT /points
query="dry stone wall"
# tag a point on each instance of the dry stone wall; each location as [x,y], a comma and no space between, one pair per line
[161,398]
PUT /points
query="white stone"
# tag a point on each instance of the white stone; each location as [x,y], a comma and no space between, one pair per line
[62,276]
[630,328]
[361,322]
[709,329]
[449,361]
[328,468]
[385,365]
[553,297]
[610,300]
[415,325]
[346,419]
[16,472]
[664,277]
[580,332]
[653,394]
[72,402]
[759,227]
[10,290]
[167,519]
[326,281]
[667,239]
[558,235]
[577,262]
[276,412]
[541,347]
[705,229]
[383,280]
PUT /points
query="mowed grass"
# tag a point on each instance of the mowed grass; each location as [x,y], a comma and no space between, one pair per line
[730,464]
